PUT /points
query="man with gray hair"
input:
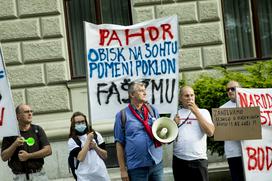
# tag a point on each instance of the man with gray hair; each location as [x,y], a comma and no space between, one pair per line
[138,153]
[25,153]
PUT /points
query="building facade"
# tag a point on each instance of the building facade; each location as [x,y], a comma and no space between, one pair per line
[43,47]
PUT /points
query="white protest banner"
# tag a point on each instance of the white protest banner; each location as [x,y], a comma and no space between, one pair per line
[117,55]
[257,154]
[8,120]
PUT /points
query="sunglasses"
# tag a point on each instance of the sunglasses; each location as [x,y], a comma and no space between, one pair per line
[232,89]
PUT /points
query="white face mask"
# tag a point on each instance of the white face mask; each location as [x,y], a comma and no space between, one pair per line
[80,127]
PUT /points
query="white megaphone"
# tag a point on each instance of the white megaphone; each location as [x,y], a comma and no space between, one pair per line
[165,130]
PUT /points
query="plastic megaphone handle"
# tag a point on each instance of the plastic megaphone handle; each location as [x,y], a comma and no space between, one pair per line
[163,132]
[30,141]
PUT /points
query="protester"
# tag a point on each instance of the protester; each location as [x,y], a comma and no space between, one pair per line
[139,154]
[233,150]
[91,151]
[25,158]
[190,147]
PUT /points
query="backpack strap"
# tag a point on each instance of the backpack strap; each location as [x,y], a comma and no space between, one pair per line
[78,142]
[123,121]
[72,161]
[95,138]
[35,129]
[124,117]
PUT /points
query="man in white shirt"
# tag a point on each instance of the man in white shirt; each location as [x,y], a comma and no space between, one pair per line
[233,150]
[190,147]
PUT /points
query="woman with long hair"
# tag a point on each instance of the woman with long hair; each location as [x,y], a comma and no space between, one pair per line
[88,148]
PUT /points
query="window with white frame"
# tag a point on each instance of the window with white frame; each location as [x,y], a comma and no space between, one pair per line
[94,11]
[248,29]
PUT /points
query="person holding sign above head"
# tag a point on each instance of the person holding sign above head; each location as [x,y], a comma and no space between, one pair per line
[25,153]
[87,150]
[233,149]
[139,154]
[190,147]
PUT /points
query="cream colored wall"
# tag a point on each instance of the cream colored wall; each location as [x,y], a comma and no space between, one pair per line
[200,29]
[34,42]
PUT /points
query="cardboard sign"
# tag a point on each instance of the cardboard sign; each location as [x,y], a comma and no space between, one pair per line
[237,123]
[117,55]
[8,121]
[257,154]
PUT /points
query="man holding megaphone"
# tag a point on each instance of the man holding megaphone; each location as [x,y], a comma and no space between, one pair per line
[139,154]
[190,147]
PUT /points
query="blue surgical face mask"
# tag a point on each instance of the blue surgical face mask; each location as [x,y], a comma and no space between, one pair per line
[80,127]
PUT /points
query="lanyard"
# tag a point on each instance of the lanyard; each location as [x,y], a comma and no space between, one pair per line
[183,123]
[185,120]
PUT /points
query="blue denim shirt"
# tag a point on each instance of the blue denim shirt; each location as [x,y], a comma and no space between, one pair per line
[140,150]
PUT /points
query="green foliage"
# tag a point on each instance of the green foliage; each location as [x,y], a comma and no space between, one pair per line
[210,91]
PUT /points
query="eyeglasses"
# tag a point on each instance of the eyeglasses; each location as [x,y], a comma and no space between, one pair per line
[232,89]
[28,111]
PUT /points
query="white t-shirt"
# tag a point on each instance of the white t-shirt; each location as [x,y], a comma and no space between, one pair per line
[191,143]
[93,167]
[232,148]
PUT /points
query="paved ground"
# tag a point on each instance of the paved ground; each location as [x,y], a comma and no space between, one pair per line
[217,172]
[115,175]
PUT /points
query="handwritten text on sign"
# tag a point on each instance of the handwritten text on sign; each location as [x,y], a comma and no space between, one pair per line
[124,38]
[257,154]
[259,158]
[264,100]
[237,123]
[117,55]
[104,63]
[164,88]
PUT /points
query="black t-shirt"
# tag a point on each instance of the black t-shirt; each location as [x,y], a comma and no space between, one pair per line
[32,164]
